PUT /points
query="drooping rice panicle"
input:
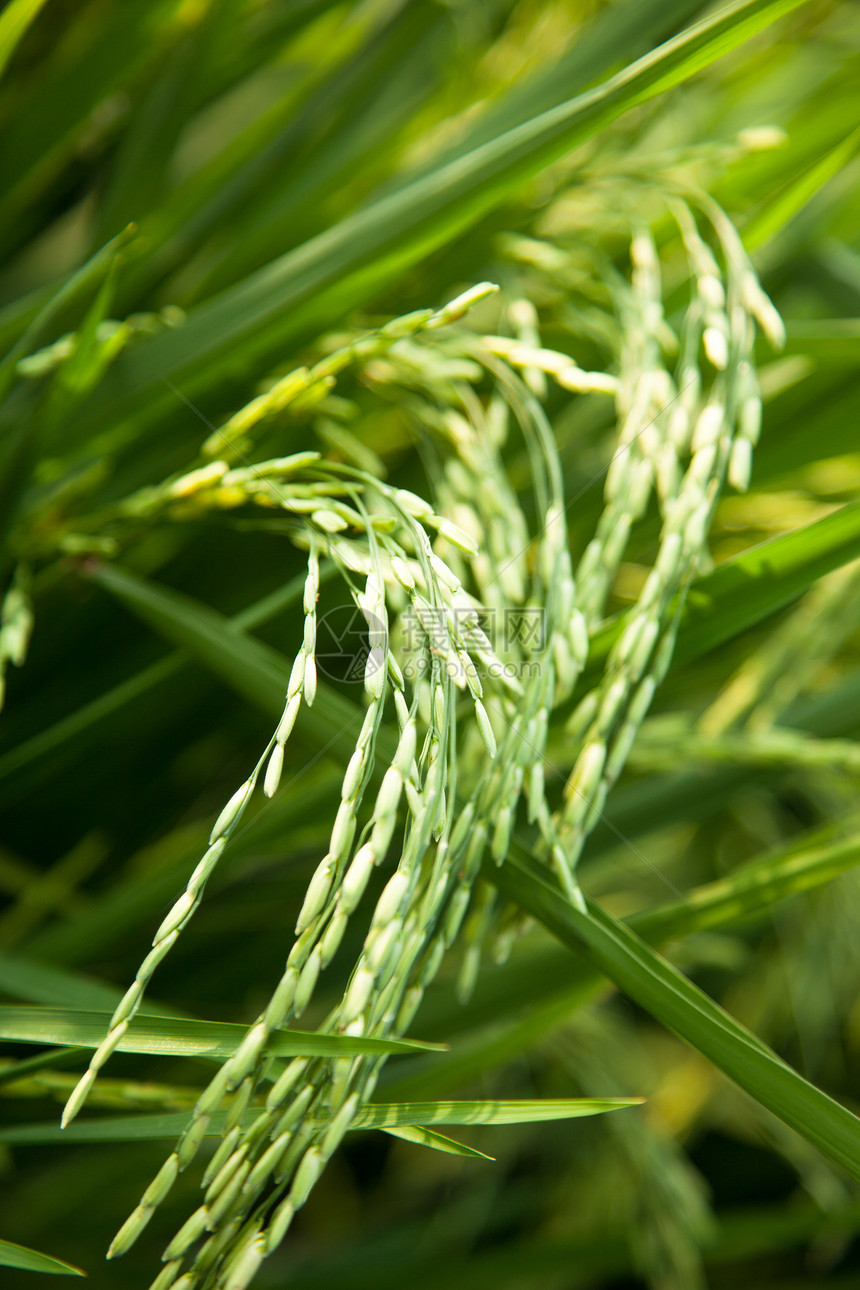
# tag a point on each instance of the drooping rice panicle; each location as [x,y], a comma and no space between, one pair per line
[263,482]
[377,974]
[426,563]
[643,652]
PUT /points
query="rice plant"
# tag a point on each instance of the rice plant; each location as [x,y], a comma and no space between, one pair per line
[429,642]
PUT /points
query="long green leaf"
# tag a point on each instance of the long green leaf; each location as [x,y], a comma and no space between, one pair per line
[662,990]
[614,35]
[14,21]
[156,1128]
[25,978]
[378,1115]
[383,1115]
[179,1037]
[42,1061]
[161,1126]
[770,221]
[89,714]
[754,888]
[19,1256]
[74,286]
[826,340]
[743,591]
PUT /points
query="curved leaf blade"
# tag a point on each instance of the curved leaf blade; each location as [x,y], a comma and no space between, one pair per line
[20,1256]
[435,1141]
[384,1115]
[682,1007]
[180,1037]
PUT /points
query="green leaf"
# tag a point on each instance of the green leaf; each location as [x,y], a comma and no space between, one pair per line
[52,1057]
[384,1115]
[115,1128]
[179,1037]
[256,671]
[14,21]
[663,991]
[436,1141]
[773,218]
[19,1256]
[517,1004]
[67,293]
[755,887]
[380,1115]
[612,37]
[743,591]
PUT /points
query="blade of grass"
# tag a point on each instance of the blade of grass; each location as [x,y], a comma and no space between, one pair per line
[76,285]
[827,340]
[156,1128]
[54,1057]
[178,1037]
[614,35]
[503,1019]
[754,889]
[19,1256]
[389,1116]
[115,1128]
[14,21]
[773,218]
[682,1007]
[741,592]
[55,103]
[27,978]
[435,1141]
[384,1115]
